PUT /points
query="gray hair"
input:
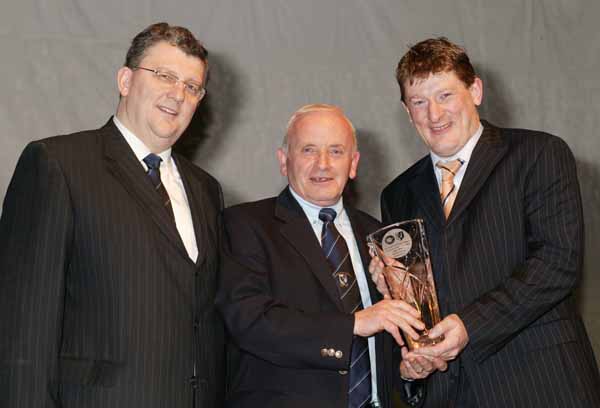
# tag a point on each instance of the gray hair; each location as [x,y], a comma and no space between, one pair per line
[316,107]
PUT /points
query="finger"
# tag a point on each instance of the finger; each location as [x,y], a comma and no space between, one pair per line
[408,330]
[439,329]
[413,371]
[407,370]
[425,363]
[433,351]
[388,261]
[393,330]
[372,252]
[406,315]
[406,307]
[382,287]
[439,364]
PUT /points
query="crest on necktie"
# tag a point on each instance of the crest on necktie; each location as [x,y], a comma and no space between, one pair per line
[343,279]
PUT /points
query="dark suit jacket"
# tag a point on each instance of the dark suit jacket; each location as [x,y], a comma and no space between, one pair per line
[282,308]
[507,262]
[100,305]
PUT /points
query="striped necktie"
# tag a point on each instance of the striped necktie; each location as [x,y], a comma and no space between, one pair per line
[338,257]
[448,189]
[153,162]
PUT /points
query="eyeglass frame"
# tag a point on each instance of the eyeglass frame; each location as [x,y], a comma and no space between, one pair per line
[172,79]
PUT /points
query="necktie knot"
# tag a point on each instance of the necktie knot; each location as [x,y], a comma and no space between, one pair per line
[449,169]
[327,215]
[152,161]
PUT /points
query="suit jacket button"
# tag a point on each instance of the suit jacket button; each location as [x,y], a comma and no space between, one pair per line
[339,354]
[331,352]
[343,372]
[323,352]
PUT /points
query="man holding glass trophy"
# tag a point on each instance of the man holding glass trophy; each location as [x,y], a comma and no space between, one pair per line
[502,213]
[309,326]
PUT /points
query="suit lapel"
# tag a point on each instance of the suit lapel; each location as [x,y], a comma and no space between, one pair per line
[196,197]
[127,170]
[299,233]
[426,194]
[487,153]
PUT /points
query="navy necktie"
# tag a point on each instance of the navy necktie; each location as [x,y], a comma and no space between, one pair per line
[153,163]
[338,257]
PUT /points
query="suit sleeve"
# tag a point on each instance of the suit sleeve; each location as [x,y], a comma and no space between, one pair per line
[35,232]
[551,270]
[264,325]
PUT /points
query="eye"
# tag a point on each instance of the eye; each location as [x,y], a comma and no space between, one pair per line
[336,151]
[417,102]
[445,95]
[166,77]
[193,88]
[309,150]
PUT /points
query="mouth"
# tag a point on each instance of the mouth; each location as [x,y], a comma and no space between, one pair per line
[167,110]
[320,180]
[440,128]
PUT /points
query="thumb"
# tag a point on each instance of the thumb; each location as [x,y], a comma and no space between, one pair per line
[437,330]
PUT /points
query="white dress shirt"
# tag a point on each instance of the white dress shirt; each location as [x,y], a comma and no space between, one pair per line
[171,179]
[342,223]
[463,154]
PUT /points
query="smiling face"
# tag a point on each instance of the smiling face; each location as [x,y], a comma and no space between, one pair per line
[320,157]
[444,110]
[157,112]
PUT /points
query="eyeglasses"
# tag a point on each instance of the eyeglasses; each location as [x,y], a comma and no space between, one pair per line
[192,88]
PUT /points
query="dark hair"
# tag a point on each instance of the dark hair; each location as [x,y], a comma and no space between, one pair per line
[179,37]
[433,56]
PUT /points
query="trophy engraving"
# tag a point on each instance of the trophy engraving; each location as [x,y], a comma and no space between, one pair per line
[408,275]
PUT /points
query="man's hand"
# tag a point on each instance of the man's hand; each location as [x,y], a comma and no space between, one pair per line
[388,315]
[376,267]
[455,339]
[415,366]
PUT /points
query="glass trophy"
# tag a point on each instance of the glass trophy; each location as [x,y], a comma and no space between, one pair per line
[404,251]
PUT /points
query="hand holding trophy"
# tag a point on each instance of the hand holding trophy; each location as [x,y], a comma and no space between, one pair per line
[403,249]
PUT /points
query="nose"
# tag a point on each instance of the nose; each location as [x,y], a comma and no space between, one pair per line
[324,160]
[177,91]
[435,111]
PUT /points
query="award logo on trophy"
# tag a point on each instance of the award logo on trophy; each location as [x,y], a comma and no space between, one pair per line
[404,251]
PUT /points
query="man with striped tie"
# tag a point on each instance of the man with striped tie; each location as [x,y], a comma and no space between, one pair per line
[109,251]
[307,322]
[502,211]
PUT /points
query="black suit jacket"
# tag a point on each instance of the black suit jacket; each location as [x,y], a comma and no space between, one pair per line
[100,305]
[282,308]
[507,261]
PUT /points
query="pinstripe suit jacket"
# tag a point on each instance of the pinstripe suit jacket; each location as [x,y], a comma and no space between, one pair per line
[507,261]
[100,305]
[282,308]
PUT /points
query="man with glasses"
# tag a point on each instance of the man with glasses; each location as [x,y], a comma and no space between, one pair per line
[108,251]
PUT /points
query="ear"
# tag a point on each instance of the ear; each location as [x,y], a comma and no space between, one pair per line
[282,157]
[354,165]
[476,90]
[407,112]
[124,77]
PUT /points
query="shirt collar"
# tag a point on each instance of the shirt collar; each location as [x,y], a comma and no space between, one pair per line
[312,210]
[139,148]
[464,153]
